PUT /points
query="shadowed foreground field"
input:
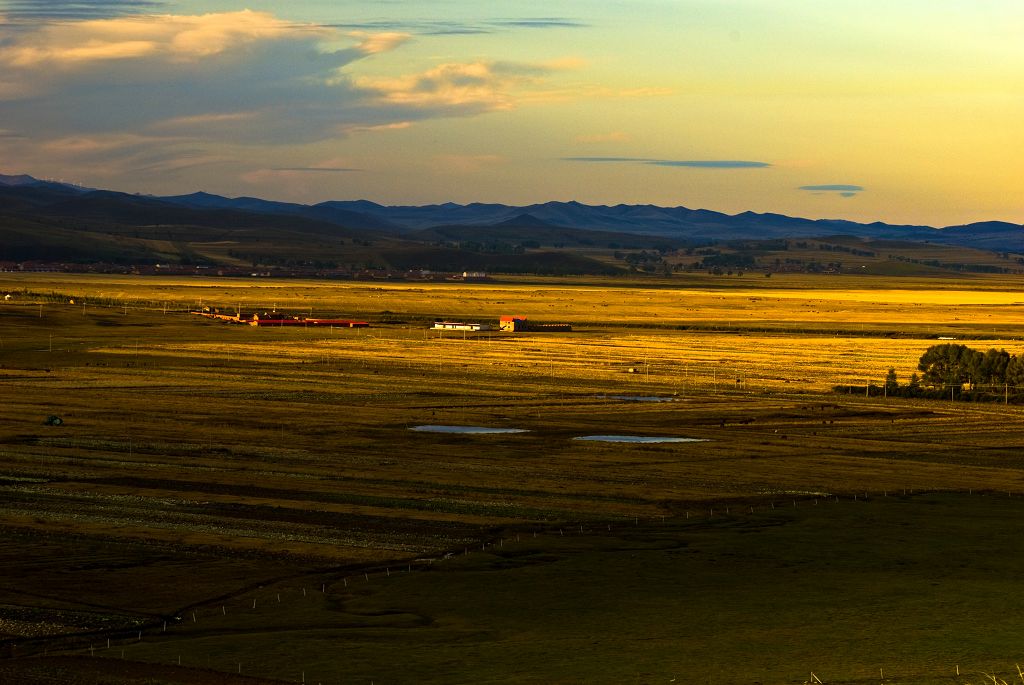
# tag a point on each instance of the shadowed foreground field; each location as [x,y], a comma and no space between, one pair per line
[201,467]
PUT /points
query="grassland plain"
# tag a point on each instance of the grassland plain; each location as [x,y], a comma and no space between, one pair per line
[201,464]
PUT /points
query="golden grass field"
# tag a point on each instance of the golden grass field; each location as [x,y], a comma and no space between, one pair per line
[240,455]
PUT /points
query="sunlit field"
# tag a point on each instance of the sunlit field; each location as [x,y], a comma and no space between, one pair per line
[199,464]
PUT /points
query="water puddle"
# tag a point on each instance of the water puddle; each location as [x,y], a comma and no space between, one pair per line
[635,438]
[475,430]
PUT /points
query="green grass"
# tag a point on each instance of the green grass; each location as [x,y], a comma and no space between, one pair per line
[915,586]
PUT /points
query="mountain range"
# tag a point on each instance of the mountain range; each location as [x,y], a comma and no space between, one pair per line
[699,225]
[46,219]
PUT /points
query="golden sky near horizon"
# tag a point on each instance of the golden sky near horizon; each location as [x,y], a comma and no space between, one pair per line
[904,112]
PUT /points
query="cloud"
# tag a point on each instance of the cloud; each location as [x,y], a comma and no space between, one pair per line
[233,77]
[540,23]
[373,43]
[315,169]
[121,91]
[35,10]
[711,164]
[429,27]
[396,126]
[190,123]
[464,88]
[694,164]
[73,45]
[835,187]
[229,77]
[112,155]
[841,189]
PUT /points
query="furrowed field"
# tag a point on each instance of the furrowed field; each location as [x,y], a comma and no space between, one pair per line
[225,503]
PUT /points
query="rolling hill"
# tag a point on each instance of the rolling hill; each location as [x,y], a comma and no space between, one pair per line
[51,221]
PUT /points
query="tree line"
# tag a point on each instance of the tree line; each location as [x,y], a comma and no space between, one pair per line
[953,371]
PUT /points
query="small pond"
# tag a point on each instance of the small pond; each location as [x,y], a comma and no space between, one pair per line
[635,438]
[475,430]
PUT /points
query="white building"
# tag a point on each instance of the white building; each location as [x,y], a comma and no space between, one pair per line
[459,326]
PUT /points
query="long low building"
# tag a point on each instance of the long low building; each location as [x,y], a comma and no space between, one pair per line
[459,326]
[519,323]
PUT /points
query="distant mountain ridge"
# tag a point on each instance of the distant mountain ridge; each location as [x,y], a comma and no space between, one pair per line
[675,223]
[679,223]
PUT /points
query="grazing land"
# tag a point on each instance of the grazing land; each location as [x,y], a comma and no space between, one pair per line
[253,503]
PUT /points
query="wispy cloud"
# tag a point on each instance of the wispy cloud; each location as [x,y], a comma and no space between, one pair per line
[431,27]
[540,23]
[35,10]
[373,43]
[841,189]
[690,163]
[315,169]
[376,128]
[711,163]
[458,87]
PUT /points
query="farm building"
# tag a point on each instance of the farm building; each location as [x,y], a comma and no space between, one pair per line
[273,319]
[512,323]
[459,326]
[217,314]
[279,319]
[519,323]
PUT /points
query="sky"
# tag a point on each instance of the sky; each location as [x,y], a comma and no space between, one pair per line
[904,111]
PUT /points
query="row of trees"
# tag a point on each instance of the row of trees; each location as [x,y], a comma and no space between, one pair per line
[958,365]
[951,370]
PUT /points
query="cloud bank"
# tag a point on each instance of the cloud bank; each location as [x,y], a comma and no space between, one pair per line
[118,91]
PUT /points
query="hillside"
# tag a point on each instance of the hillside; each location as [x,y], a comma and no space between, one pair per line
[55,222]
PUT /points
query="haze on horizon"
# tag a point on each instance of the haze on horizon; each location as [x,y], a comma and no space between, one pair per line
[904,112]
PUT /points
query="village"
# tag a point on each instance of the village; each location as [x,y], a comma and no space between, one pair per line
[508,324]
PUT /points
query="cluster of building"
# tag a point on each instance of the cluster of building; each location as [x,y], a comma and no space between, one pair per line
[506,323]
[510,324]
[278,319]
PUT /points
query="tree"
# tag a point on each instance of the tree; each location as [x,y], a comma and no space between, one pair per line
[949,364]
[992,368]
[892,385]
[914,386]
[1015,372]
